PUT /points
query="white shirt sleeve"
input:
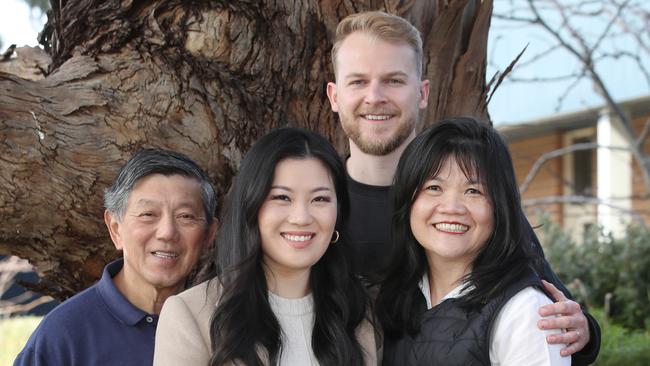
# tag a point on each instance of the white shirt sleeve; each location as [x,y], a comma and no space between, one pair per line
[515,338]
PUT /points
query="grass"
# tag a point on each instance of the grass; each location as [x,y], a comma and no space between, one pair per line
[14,333]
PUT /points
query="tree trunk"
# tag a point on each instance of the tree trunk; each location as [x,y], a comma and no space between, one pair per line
[205,78]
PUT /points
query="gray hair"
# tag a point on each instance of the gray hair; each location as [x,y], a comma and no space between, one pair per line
[157,161]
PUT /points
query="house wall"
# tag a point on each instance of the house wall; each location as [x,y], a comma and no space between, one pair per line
[556,176]
[550,179]
[547,182]
[641,202]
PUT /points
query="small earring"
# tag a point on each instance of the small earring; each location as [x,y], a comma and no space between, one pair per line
[335,237]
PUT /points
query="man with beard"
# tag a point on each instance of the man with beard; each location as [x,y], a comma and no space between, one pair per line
[378,95]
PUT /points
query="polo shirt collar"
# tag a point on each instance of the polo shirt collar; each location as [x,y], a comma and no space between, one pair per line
[116,303]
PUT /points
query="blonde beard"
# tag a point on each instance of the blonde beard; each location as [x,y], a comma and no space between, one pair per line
[378,147]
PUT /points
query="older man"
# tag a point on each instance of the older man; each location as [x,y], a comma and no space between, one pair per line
[160,214]
[378,95]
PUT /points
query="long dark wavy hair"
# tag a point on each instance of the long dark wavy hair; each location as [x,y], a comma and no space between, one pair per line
[243,320]
[482,154]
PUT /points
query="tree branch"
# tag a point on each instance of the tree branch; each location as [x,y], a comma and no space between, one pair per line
[587,62]
[14,309]
[505,73]
[577,199]
[559,152]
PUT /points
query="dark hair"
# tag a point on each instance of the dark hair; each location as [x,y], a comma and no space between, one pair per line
[243,320]
[482,154]
[157,161]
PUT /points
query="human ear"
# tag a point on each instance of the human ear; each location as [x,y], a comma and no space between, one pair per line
[113,226]
[331,95]
[424,94]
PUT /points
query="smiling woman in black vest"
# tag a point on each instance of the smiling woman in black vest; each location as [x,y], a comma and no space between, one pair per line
[463,285]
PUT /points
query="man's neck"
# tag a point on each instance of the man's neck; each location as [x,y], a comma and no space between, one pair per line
[146,298]
[373,170]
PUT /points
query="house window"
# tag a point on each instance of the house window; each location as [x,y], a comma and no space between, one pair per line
[582,169]
[580,179]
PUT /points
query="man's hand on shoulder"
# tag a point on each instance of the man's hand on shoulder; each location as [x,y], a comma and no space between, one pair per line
[567,315]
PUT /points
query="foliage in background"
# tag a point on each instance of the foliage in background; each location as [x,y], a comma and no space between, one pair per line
[605,272]
[621,346]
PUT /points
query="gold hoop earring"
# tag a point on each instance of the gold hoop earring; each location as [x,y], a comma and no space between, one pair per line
[336,239]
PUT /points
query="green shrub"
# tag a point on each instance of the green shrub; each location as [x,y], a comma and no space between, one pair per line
[621,346]
[604,267]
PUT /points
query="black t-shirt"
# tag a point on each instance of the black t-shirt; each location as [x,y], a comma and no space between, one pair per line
[366,233]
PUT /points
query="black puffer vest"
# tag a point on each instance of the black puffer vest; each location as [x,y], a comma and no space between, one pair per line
[450,335]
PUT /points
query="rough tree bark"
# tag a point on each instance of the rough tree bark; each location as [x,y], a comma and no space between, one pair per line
[205,78]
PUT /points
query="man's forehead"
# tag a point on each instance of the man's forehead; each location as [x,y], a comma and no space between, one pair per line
[170,176]
[362,52]
[156,188]
[352,42]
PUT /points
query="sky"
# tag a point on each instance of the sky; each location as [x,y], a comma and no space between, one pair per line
[513,102]
[518,102]
[18,24]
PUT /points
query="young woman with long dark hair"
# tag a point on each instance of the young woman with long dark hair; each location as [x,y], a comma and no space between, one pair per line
[280,290]
[463,285]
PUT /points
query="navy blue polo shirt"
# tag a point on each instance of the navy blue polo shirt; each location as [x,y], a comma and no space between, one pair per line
[98,326]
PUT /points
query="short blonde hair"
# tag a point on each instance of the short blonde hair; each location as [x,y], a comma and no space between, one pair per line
[387,27]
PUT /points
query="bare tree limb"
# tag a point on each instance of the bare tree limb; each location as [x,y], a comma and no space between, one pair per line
[544,79]
[636,33]
[609,26]
[640,141]
[585,56]
[631,56]
[15,309]
[582,200]
[504,74]
[559,152]
[9,267]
